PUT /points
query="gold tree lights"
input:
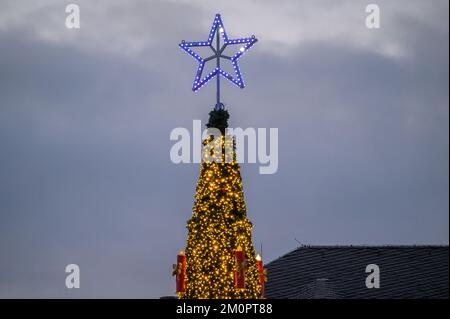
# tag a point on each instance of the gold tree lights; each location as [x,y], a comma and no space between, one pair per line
[220,258]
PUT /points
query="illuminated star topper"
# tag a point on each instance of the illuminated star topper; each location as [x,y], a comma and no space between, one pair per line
[218,32]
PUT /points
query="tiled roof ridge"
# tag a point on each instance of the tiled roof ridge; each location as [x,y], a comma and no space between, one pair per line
[364,246]
[374,246]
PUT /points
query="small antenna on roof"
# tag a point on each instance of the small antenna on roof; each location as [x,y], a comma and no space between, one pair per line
[298,241]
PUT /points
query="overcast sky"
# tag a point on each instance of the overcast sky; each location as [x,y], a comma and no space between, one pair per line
[85,118]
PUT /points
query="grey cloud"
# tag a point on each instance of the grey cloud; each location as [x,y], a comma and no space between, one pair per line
[86,176]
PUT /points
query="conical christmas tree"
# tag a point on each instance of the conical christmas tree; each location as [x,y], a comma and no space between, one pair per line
[219,231]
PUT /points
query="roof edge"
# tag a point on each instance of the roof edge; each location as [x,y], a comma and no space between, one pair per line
[424,246]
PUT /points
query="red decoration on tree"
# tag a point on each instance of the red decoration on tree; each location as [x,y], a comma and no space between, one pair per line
[262,274]
[241,265]
[179,270]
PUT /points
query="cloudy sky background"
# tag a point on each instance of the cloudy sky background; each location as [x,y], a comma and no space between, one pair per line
[85,118]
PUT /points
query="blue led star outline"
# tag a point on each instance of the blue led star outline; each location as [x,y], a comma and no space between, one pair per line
[218,53]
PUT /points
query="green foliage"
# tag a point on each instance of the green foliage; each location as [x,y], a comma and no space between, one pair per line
[218,119]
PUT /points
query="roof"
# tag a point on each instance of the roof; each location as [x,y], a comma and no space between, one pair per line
[311,272]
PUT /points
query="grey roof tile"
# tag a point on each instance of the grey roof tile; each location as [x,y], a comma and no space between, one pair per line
[339,272]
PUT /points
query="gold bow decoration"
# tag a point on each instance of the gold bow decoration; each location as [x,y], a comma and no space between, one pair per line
[241,265]
[177,269]
[264,274]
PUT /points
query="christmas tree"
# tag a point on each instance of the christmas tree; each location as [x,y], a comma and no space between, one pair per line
[220,260]
[219,231]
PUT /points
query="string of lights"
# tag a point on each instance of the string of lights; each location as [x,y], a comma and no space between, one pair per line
[219,33]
